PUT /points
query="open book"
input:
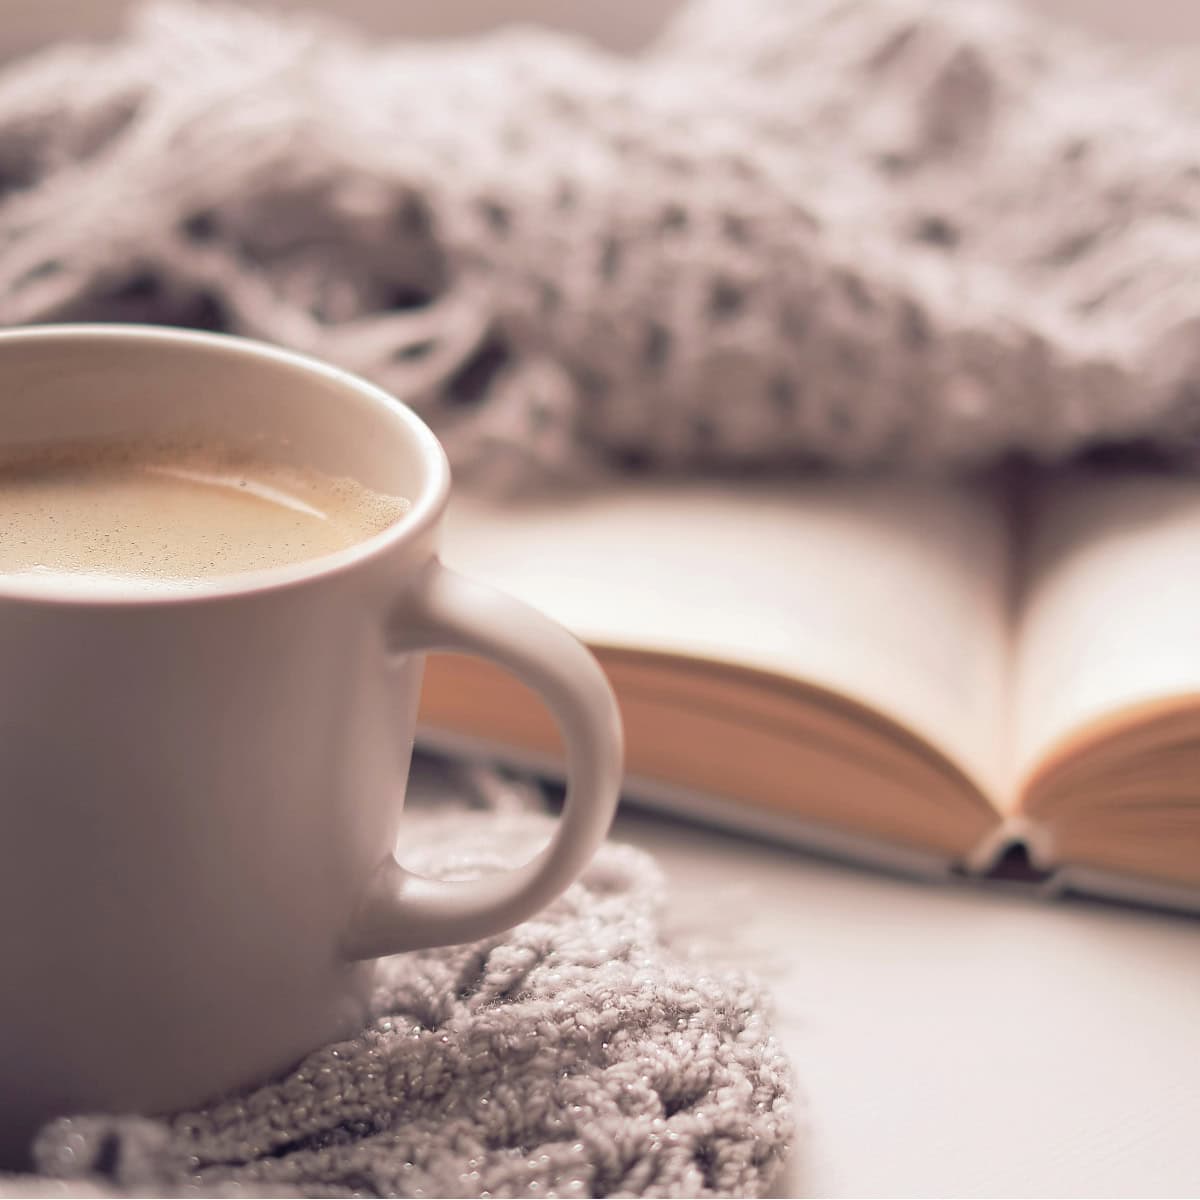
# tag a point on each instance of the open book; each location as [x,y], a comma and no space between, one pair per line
[923,674]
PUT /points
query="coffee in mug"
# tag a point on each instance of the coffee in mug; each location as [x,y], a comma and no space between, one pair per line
[210,665]
[168,516]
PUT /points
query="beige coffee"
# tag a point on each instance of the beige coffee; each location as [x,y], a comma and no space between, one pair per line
[170,517]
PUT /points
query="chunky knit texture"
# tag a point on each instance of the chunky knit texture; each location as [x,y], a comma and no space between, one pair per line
[838,231]
[575,1056]
[850,231]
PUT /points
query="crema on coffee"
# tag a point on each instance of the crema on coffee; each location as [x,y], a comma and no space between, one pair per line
[172,516]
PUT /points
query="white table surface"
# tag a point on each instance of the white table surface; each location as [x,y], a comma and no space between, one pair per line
[948,1041]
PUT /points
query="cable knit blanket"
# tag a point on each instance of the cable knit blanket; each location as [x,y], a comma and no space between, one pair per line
[578,1055]
[844,231]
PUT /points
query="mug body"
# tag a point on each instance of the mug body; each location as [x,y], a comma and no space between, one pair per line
[195,785]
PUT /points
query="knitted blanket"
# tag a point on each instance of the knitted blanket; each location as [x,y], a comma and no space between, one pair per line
[578,1055]
[847,232]
[844,231]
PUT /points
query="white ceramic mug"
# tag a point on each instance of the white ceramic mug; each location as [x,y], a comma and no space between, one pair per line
[200,791]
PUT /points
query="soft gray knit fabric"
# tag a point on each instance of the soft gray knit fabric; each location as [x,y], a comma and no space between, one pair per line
[853,231]
[846,231]
[575,1056]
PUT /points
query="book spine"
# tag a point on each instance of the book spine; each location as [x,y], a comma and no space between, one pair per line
[1013,833]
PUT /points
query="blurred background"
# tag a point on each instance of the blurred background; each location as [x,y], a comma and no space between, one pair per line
[621,24]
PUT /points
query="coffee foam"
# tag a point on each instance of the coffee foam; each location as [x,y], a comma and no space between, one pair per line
[57,582]
[157,517]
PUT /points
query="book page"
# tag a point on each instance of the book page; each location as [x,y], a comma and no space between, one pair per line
[1111,613]
[893,594]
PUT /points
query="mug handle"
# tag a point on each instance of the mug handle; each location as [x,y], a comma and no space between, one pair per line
[446,611]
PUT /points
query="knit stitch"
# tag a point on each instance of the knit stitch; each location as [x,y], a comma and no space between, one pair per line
[843,231]
[574,1056]
[850,232]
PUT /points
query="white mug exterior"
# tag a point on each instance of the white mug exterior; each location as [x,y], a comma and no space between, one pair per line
[200,790]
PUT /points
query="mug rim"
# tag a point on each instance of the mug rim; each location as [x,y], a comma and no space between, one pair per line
[424,512]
